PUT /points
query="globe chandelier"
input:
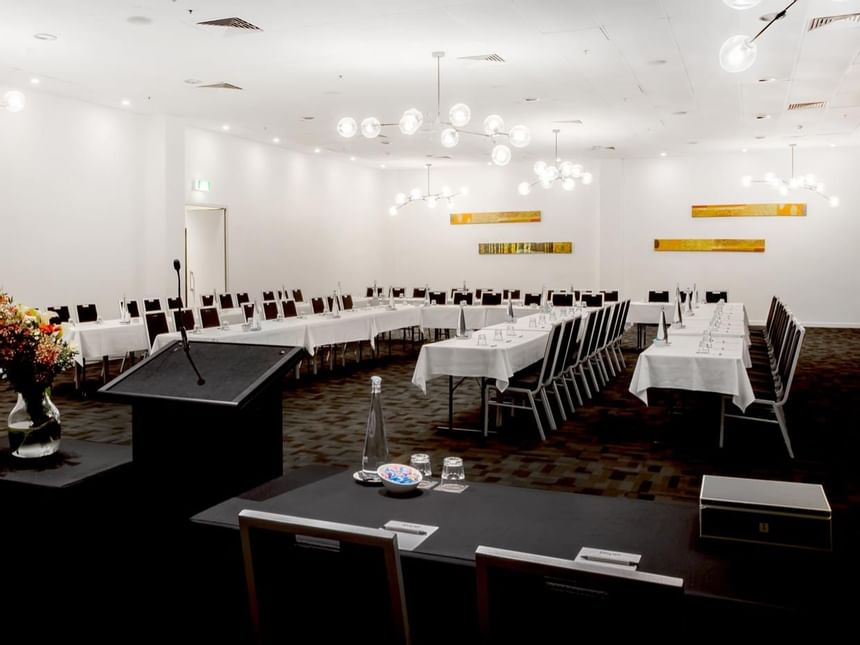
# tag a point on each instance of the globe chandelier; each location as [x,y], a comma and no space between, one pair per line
[13,101]
[565,172]
[431,198]
[459,116]
[739,52]
[805,182]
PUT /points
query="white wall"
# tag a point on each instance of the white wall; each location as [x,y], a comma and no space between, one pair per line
[810,262]
[423,247]
[294,219]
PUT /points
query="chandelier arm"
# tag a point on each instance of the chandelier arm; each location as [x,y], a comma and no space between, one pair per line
[478,134]
[780,14]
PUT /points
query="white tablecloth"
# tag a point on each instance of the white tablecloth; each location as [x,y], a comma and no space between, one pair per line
[477,316]
[108,338]
[679,366]
[648,313]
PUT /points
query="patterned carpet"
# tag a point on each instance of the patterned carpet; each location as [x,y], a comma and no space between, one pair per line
[613,445]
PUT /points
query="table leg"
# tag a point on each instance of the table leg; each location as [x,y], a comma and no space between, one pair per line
[451,388]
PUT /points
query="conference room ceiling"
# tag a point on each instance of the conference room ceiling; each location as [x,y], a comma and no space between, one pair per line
[639,76]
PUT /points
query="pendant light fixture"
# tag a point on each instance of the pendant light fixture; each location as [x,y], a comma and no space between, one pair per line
[13,101]
[739,52]
[448,131]
[445,195]
[806,182]
[565,172]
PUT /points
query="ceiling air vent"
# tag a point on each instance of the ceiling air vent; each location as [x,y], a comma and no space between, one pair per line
[219,86]
[490,58]
[571,121]
[809,105]
[598,148]
[438,156]
[844,20]
[233,23]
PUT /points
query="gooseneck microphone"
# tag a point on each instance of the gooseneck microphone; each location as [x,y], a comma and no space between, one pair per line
[181,321]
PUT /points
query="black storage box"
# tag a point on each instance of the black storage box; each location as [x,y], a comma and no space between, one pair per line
[765,511]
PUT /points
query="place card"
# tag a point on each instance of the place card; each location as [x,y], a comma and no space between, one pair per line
[409,534]
[606,558]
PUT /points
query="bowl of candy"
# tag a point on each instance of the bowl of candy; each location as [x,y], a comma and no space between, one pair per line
[399,478]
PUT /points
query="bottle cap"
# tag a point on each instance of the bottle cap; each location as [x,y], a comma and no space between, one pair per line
[375,384]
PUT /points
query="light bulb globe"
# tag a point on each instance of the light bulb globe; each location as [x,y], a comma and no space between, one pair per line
[450,137]
[576,171]
[14,100]
[431,201]
[400,199]
[464,190]
[446,191]
[460,115]
[501,155]
[587,178]
[546,182]
[493,124]
[568,183]
[524,188]
[539,167]
[566,169]
[415,194]
[411,121]
[392,211]
[551,173]
[834,201]
[738,54]
[746,181]
[347,127]
[520,136]
[371,127]
[740,5]
[783,190]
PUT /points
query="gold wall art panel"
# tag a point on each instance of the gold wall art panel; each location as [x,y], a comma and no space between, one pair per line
[743,246]
[749,210]
[500,217]
[523,248]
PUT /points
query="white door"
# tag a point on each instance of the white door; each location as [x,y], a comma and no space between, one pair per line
[205,253]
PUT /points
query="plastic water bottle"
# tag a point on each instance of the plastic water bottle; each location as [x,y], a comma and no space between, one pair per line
[375,452]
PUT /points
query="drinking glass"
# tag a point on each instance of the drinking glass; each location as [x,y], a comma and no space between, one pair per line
[421,462]
[482,340]
[497,335]
[452,470]
[532,322]
[512,330]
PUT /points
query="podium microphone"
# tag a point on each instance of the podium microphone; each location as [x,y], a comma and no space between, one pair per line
[180,320]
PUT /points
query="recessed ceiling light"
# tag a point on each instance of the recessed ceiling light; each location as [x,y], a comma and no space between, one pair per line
[276,140]
[34,81]
[767,79]
[225,127]
[125,102]
[44,36]
[743,149]
[489,163]
[352,158]
[192,81]
[662,154]
[832,145]
[692,143]
[308,118]
[139,20]
[531,99]
[762,117]
[761,136]
[680,113]
[317,150]
[658,61]
[382,165]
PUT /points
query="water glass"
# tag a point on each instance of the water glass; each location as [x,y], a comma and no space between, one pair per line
[482,340]
[452,470]
[497,335]
[532,322]
[512,330]
[432,301]
[421,462]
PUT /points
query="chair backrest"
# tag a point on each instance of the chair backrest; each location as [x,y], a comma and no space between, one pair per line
[298,569]
[490,298]
[156,323]
[618,331]
[563,344]
[610,320]
[297,295]
[770,313]
[225,300]
[592,299]
[513,294]
[788,367]
[174,303]
[151,304]
[62,312]
[572,350]
[289,308]
[369,292]
[551,352]
[562,299]
[131,307]
[398,292]
[208,300]
[242,297]
[658,296]
[248,309]
[347,302]
[459,297]
[318,305]
[439,297]
[610,296]
[187,319]
[270,309]
[268,295]
[209,317]
[595,334]
[588,334]
[531,299]
[530,598]
[418,292]
[716,296]
[87,313]
[478,293]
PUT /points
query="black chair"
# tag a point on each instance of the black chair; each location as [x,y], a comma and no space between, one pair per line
[562,300]
[270,309]
[62,311]
[369,292]
[318,305]
[490,298]
[297,295]
[209,317]
[187,319]
[87,313]
[156,323]
[225,300]
[439,297]
[151,304]
[610,296]
[298,569]
[592,299]
[174,303]
[208,300]
[530,598]
[398,292]
[531,299]
[513,294]
[658,296]
[131,307]
[418,293]
[242,297]
[289,308]
[479,292]
[248,309]
[462,297]
[716,296]
[347,302]
[268,295]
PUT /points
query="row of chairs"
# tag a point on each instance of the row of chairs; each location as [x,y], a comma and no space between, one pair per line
[89,313]
[710,296]
[297,569]
[774,351]
[585,350]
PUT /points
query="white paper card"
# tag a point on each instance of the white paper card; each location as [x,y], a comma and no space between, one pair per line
[409,534]
[603,557]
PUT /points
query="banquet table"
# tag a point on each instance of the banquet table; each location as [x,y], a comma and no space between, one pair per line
[96,340]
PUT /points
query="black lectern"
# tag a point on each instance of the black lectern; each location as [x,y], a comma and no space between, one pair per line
[196,445]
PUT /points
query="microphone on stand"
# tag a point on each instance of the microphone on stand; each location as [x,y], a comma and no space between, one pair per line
[182,332]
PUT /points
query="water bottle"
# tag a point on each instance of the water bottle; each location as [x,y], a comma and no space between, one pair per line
[375,452]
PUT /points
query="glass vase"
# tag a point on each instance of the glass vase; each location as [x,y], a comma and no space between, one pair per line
[34,426]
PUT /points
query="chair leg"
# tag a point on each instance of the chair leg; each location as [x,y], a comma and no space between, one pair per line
[558,398]
[722,420]
[537,415]
[486,411]
[567,394]
[593,377]
[584,378]
[548,409]
[780,417]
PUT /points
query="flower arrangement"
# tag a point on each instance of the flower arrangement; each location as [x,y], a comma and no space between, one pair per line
[32,349]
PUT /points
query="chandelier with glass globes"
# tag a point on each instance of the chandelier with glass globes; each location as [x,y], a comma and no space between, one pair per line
[445,195]
[806,182]
[459,116]
[565,172]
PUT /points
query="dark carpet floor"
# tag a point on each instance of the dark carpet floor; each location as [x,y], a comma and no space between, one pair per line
[613,445]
